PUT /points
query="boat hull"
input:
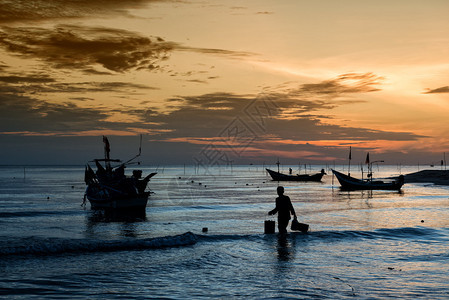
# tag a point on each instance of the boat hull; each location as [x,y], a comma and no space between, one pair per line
[276,176]
[351,183]
[101,196]
[130,202]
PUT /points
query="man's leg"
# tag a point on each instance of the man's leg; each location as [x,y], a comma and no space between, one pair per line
[282,225]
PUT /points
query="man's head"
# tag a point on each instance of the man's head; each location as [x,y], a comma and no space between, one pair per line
[280,190]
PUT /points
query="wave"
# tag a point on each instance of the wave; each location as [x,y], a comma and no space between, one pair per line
[61,246]
[421,233]
[36,246]
[21,214]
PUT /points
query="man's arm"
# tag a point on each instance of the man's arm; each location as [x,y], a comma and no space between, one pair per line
[292,210]
[275,210]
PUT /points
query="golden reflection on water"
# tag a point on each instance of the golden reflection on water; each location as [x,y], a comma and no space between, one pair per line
[415,205]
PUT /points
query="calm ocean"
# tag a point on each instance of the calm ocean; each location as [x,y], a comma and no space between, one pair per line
[364,245]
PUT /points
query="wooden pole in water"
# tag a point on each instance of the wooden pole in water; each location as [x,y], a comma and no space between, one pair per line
[444,157]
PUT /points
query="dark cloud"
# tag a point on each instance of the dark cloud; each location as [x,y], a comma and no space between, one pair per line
[221,52]
[90,87]
[96,50]
[208,122]
[444,89]
[270,123]
[197,81]
[197,121]
[91,50]
[3,66]
[21,113]
[26,79]
[42,10]
[326,95]
[25,114]
[194,116]
[291,114]
[33,84]
[86,48]
[81,99]
[344,84]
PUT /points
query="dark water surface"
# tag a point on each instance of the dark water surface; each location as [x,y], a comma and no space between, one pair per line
[365,245]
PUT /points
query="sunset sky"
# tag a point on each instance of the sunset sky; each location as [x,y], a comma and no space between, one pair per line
[220,81]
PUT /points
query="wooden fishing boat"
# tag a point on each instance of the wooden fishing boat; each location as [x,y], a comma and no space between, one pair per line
[277,176]
[110,188]
[351,183]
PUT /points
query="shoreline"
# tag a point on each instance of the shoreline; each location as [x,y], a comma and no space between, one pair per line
[437,177]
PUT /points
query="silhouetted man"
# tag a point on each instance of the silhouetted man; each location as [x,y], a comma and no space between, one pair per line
[283,207]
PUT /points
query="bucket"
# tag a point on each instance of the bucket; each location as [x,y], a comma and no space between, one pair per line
[269,226]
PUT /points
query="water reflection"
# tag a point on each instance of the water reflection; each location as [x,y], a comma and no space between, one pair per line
[127,220]
[117,216]
[283,248]
[339,194]
[286,252]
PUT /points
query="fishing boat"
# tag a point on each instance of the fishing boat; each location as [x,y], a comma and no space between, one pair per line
[350,183]
[110,188]
[277,176]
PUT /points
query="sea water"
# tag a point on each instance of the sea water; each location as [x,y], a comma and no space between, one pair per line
[362,244]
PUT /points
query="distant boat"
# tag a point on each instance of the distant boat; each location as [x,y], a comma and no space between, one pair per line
[110,188]
[351,183]
[277,176]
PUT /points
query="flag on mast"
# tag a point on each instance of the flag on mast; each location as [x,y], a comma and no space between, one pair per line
[367,158]
[350,153]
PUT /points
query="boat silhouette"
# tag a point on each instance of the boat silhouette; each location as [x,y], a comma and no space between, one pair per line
[110,188]
[277,176]
[350,183]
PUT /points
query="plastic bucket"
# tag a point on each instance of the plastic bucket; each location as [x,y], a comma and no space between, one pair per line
[269,226]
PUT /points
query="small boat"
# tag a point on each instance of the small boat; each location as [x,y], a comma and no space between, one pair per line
[277,176]
[110,188]
[351,183]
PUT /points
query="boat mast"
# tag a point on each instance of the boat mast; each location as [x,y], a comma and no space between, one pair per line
[138,154]
[349,167]
[370,166]
[278,163]
[107,150]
